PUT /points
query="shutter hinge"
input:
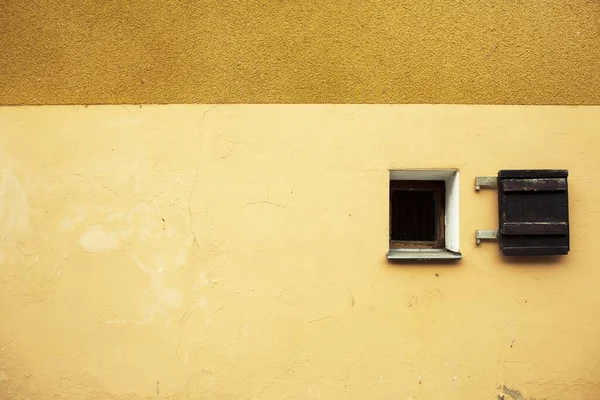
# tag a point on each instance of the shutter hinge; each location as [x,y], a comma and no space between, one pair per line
[488,182]
[485,234]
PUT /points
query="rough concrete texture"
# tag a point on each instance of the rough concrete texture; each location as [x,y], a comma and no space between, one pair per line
[389,51]
[238,252]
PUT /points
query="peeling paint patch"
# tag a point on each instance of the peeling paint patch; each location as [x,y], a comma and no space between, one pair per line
[203,304]
[512,393]
[14,207]
[169,297]
[164,297]
[68,224]
[204,280]
[97,239]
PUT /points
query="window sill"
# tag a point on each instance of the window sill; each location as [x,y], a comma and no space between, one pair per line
[422,254]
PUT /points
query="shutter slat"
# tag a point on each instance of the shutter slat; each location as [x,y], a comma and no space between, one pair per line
[535,251]
[534,185]
[535,228]
[533,173]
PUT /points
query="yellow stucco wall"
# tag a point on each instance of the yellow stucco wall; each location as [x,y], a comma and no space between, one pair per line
[238,252]
[301,51]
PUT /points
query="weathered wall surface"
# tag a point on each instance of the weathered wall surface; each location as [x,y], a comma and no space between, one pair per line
[389,51]
[193,252]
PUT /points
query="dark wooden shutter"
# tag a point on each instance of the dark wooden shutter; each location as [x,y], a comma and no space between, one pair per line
[533,210]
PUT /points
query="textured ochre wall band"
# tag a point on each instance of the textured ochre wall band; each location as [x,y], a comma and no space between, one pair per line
[389,51]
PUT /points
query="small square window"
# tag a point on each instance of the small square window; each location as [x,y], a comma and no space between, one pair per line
[417,214]
[423,215]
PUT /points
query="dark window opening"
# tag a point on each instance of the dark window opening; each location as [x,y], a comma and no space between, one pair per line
[417,214]
[413,215]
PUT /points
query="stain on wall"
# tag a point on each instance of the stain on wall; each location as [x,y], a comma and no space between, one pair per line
[192,252]
[494,52]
